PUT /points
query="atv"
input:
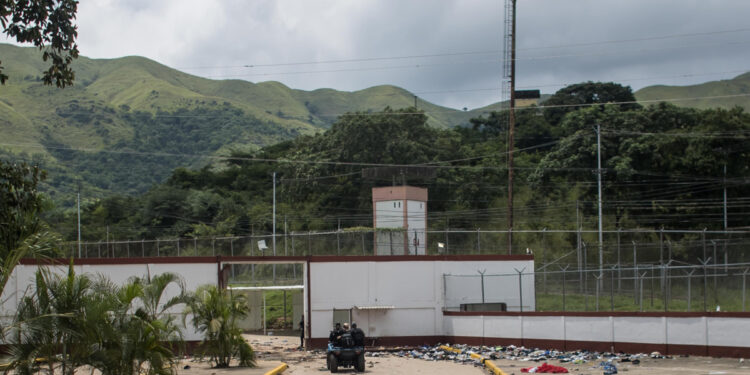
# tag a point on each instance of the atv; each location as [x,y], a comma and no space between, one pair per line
[345,354]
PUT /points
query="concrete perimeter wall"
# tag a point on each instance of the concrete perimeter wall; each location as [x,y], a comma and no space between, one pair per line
[399,300]
[713,334]
[194,272]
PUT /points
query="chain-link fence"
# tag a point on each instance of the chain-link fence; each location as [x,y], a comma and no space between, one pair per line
[648,270]
[645,287]
[618,246]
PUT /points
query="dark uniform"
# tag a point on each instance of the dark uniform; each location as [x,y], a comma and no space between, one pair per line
[335,335]
[358,335]
[302,332]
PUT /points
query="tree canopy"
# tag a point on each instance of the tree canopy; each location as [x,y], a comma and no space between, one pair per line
[47,24]
[21,232]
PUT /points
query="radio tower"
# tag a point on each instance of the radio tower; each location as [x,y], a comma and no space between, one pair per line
[509,91]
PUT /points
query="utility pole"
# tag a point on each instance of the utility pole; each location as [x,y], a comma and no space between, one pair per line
[510,72]
[78,202]
[725,196]
[273,241]
[599,185]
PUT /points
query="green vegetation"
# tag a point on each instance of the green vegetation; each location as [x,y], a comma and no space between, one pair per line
[659,161]
[48,25]
[725,94]
[214,312]
[73,321]
[128,122]
[22,233]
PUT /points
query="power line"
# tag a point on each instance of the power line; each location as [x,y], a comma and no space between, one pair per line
[464,53]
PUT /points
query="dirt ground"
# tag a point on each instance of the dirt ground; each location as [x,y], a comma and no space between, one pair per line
[272,350]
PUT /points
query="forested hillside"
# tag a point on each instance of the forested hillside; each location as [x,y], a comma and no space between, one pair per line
[663,168]
[126,123]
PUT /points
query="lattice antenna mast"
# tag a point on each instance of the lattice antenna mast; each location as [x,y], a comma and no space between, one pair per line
[509,88]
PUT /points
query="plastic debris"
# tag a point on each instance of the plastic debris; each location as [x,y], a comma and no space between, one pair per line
[460,353]
[547,369]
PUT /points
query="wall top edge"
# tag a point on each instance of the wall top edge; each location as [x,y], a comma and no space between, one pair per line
[276,259]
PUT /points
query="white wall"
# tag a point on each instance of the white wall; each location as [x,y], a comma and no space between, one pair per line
[389,214]
[193,274]
[413,288]
[663,330]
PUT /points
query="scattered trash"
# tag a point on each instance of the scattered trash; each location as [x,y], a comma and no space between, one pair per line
[547,369]
[606,361]
[609,368]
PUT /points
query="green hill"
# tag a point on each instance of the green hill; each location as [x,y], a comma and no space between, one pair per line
[133,107]
[716,94]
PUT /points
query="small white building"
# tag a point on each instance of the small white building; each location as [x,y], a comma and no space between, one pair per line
[400,220]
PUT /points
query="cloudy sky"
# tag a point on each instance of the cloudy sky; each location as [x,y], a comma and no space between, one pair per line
[446,51]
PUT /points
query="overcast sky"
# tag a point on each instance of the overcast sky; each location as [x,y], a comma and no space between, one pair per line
[446,51]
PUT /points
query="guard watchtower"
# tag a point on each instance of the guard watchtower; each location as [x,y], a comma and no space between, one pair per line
[400,220]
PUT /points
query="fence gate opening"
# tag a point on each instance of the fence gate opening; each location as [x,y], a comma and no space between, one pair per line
[275,292]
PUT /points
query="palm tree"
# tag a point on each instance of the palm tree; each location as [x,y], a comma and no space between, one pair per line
[214,313]
[49,325]
[127,338]
[71,321]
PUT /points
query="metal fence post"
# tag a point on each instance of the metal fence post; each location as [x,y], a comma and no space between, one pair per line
[598,282]
[635,273]
[705,282]
[157,247]
[143,247]
[612,287]
[520,286]
[481,277]
[713,271]
[640,294]
[447,244]
[479,247]
[178,247]
[689,291]
[585,273]
[544,261]
[564,272]
[579,254]
[744,277]
[619,271]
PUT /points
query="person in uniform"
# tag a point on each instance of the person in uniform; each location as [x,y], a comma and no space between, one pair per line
[302,332]
[358,335]
[335,335]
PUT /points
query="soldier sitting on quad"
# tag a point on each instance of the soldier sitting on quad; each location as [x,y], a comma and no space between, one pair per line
[358,335]
[335,336]
[345,339]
